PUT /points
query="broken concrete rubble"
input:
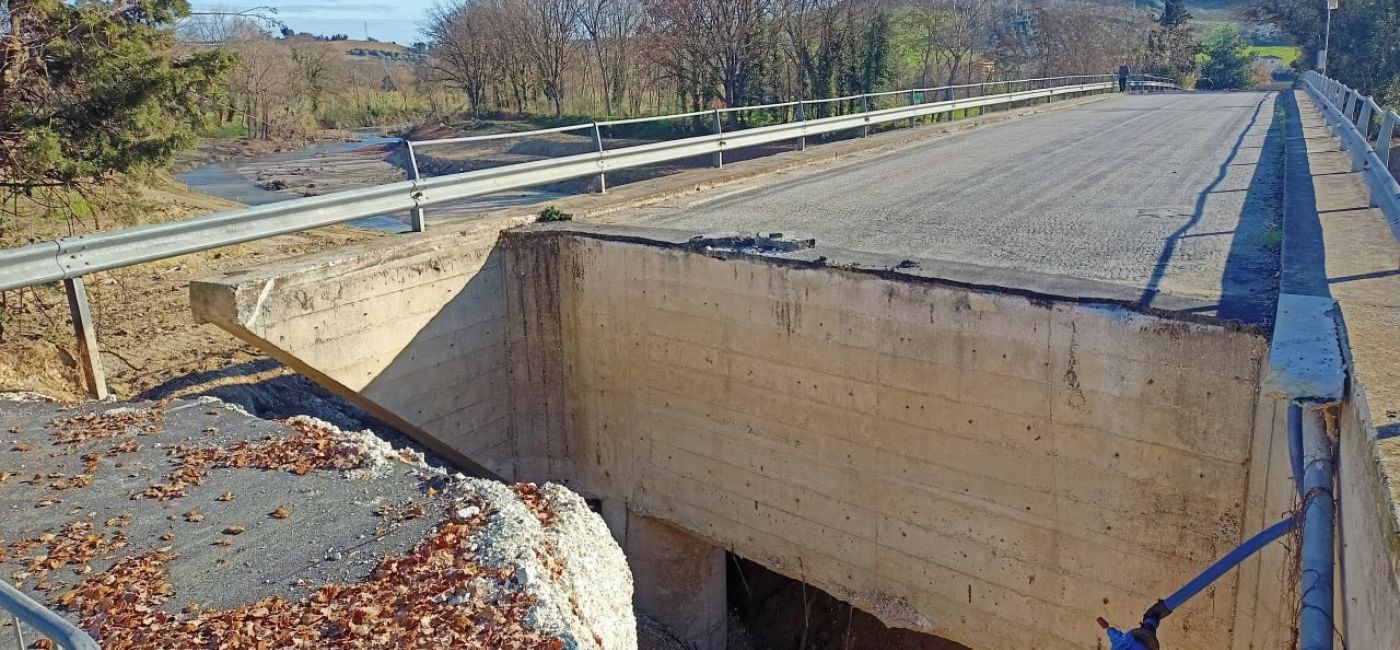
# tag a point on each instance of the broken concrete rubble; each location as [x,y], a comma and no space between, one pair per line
[290,532]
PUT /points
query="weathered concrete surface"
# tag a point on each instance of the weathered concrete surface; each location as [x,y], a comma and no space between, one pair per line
[1171,193]
[414,333]
[997,466]
[985,466]
[680,579]
[1362,272]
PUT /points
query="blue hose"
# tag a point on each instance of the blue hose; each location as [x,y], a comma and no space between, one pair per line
[1145,636]
[1295,444]
[1225,564]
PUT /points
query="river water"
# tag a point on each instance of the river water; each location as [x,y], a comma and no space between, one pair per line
[223,179]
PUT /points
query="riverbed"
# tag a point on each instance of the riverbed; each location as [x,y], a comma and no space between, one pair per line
[332,166]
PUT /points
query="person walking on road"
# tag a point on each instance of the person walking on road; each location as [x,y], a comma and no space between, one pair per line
[1123,74]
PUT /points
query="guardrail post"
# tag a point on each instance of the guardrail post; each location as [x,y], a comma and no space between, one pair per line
[911,103]
[598,146]
[865,108]
[718,160]
[88,356]
[802,117]
[1383,138]
[417,219]
[1363,123]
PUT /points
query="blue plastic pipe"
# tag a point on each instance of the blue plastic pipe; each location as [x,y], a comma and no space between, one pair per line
[1295,444]
[1310,452]
[1145,636]
[1315,629]
[1228,562]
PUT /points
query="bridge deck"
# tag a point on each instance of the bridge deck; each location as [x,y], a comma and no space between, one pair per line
[1172,193]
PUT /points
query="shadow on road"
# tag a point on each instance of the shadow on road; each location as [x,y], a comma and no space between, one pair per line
[1248,285]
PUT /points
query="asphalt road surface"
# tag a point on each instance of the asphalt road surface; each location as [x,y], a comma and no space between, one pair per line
[1176,194]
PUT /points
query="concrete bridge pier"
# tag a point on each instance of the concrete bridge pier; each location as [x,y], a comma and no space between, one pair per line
[678,578]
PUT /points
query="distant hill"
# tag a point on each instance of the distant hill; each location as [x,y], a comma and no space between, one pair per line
[356,49]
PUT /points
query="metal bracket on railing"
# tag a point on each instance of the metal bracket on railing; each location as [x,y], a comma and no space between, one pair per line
[417,220]
[598,146]
[865,108]
[802,117]
[718,159]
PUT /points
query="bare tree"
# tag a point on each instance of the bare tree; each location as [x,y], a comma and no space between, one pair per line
[952,33]
[1077,37]
[263,83]
[807,25]
[460,36]
[219,23]
[709,41]
[317,69]
[547,29]
[610,26]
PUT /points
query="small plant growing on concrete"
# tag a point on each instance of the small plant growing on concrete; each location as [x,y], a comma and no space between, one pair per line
[1273,237]
[551,213]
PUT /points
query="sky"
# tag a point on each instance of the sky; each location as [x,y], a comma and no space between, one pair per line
[387,20]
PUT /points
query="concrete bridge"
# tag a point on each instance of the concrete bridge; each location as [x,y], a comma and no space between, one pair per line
[987,384]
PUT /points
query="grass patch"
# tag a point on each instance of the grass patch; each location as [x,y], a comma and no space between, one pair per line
[1273,237]
[228,130]
[553,214]
[1286,53]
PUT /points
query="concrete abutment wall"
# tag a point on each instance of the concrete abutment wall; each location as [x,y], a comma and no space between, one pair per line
[988,465]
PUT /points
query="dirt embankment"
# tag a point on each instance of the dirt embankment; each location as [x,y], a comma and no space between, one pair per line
[149,343]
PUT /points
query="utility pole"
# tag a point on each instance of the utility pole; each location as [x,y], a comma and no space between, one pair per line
[1327,37]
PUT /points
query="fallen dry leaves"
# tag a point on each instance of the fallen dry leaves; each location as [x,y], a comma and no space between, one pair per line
[535,502]
[425,599]
[313,447]
[94,426]
[280,513]
[75,545]
[128,446]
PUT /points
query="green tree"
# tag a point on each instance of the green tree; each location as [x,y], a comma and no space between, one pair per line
[1228,60]
[1174,14]
[1365,44]
[1171,45]
[94,87]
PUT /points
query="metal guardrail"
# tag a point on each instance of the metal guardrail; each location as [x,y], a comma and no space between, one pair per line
[43,620]
[70,258]
[1350,115]
[916,97]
